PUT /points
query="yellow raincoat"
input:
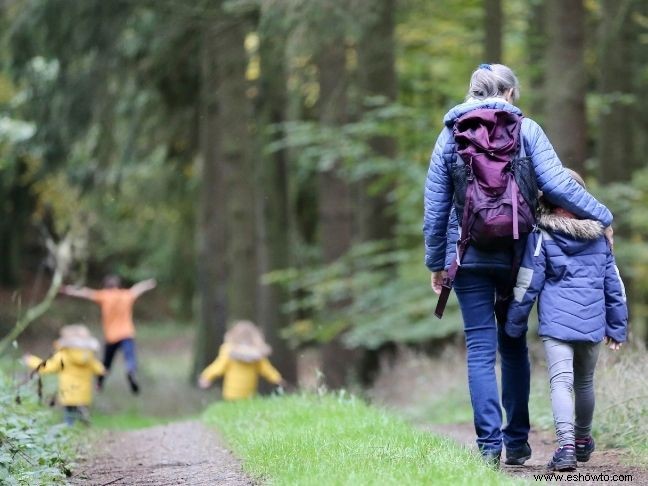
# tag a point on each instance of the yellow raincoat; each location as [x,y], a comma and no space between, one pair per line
[76,369]
[241,377]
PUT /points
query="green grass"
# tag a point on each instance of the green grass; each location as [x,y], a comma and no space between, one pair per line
[341,440]
[452,407]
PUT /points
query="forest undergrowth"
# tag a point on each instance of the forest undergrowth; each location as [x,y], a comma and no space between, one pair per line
[435,391]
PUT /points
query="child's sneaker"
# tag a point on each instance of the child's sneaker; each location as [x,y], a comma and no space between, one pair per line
[134,386]
[517,457]
[564,459]
[584,449]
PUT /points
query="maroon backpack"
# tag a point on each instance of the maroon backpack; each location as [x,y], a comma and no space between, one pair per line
[495,188]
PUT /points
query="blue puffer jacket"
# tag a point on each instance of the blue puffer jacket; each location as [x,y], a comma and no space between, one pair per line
[569,264]
[558,187]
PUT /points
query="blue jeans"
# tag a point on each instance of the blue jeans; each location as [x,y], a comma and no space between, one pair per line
[128,348]
[476,291]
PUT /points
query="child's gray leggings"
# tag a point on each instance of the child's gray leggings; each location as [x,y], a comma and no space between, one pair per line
[571,378]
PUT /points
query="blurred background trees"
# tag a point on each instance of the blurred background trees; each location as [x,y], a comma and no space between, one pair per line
[264,159]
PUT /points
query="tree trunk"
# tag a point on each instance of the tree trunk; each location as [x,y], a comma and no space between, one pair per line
[493,31]
[14,213]
[615,141]
[274,201]
[211,234]
[377,77]
[566,81]
[237,143]
[335,208]
[536,42]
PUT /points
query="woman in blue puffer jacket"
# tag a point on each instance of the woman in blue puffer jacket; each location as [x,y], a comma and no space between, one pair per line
[569,266]
[484,274]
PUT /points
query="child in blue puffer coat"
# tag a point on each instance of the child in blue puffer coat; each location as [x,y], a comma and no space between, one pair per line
[568,264]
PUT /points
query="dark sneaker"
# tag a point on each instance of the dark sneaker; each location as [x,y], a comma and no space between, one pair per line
[517,457]
[584,449]
[564,459]
[491,458]
[133,383]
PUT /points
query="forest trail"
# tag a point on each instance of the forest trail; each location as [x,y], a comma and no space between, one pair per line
[174,454]
[603,462]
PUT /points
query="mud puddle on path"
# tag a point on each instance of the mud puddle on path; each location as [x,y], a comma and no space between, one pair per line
[604,464]
[175,454]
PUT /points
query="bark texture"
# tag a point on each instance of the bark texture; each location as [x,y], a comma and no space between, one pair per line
[566,81]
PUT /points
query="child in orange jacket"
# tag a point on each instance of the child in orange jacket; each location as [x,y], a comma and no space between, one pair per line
[241,359]
[76,366]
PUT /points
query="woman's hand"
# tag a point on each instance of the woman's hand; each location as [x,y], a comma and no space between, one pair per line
[612,344]
[436,280]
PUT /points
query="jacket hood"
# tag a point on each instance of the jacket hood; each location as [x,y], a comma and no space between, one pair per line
[79,357]
[570,234]
[489,103]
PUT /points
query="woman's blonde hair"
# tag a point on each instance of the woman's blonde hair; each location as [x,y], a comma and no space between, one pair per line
[245,333]
[490,80]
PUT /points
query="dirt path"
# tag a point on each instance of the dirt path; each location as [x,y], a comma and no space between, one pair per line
[175,454]
[603,464]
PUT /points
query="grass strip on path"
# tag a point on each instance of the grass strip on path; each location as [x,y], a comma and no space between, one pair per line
[337,439]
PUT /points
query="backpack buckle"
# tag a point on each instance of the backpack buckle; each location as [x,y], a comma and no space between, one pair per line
[470,175]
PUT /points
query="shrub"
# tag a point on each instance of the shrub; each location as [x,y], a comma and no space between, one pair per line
[33,449]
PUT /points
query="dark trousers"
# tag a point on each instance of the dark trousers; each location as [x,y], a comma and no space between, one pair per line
[73,413]
[476,291]
[128,348]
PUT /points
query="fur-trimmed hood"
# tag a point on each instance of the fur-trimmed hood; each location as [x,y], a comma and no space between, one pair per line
[580,229]
[570,234]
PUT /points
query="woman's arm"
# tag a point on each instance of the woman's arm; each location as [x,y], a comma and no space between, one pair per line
[555,182]
[437,203]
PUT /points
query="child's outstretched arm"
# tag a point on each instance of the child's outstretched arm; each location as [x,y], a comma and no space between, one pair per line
[214,370]
[98,367]
[616,309]
[54,364]
[144,286]
[269,372]
[81,293]
[530,280]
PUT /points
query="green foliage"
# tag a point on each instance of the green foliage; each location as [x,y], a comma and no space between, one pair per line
[340,440]
[628,201]
[622,399]
[113,147]
[387,293]
[33,449]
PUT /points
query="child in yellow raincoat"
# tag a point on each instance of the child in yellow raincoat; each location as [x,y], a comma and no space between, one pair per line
[76,365]
[241,359]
